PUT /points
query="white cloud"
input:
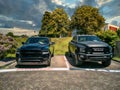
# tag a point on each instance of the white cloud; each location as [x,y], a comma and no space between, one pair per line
[41,7]
[58,2]
[16,20]
[101,2]
[25,21]
[6,18]
[67,3]
[116,18]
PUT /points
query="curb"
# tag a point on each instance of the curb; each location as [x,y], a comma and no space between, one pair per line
[6,64]
[116,60]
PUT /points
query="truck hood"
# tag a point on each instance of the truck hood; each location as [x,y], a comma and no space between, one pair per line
[94,44]
[35,46]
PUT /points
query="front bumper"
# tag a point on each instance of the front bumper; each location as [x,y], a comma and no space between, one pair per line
[32,60]
[95,57]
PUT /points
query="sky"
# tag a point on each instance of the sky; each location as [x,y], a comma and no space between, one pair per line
[28,13]
[70,3]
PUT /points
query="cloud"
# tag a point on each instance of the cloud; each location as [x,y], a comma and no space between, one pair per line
[28,13]
[58,2]
[102,2]
[15,20]
[116,18]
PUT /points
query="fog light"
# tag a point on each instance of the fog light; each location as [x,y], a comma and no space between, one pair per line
[89,52]
[45,52]
[19,59]
[82,56]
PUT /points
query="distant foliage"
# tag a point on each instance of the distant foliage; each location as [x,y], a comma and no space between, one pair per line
[7,45]
[108,36]
[118,32]
[87,20]
[55,23]
[10,34]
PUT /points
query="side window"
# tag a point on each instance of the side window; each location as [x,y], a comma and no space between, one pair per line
[82,38]
[74,38]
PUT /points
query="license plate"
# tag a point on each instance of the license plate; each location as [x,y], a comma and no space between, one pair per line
[98,49]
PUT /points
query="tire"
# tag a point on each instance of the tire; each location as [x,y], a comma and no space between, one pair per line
[69,52]
[106,63]
[52,55]
[49,62]
[78,62]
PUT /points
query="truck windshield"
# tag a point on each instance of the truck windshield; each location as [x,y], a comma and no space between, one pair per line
[37,40]
[88,38]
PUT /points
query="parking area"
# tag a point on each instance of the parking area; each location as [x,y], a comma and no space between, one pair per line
[62,74]
[62,62]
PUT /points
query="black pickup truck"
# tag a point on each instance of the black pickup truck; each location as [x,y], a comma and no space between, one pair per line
[35,51]
[89,48]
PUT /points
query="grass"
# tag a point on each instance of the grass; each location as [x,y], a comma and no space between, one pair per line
[20,40]
[19,43]
[61,45]
[10,55]
[116,58]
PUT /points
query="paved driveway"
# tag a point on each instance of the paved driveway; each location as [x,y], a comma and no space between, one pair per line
[61,75]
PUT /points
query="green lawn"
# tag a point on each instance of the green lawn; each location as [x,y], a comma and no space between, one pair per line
[20,40]
[116,58]
[61,45]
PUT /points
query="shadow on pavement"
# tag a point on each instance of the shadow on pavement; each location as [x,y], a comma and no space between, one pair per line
[85,64]
[31,66]
[7,59]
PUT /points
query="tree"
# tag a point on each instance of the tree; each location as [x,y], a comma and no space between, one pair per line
[56,22]
[10,34]
[87,20]
[46,23]
[62,21]
[118,32]
[108,36]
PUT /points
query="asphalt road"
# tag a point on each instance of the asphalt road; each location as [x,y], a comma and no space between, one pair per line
[62,75]
[60,80]
[67,62]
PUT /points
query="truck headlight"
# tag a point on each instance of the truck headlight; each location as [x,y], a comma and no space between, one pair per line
[82,50]
[18,51]
[45,52]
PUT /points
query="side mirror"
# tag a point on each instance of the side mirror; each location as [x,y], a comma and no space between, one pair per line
[52,43]
[103,40]
[23,42]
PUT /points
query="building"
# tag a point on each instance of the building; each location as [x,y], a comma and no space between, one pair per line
[111,27]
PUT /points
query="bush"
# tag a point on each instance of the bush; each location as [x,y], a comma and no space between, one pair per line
[7,45]
[118,32]
[10,34]
[108,36]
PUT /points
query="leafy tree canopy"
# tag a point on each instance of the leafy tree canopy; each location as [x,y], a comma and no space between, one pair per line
[56,22]
[87,20]
[108,36]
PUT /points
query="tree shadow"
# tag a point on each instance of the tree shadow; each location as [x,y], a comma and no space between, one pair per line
[85,64]
[7,59]
[32,66]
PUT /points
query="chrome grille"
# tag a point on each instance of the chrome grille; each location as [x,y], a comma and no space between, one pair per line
[31,53]
[98,50]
